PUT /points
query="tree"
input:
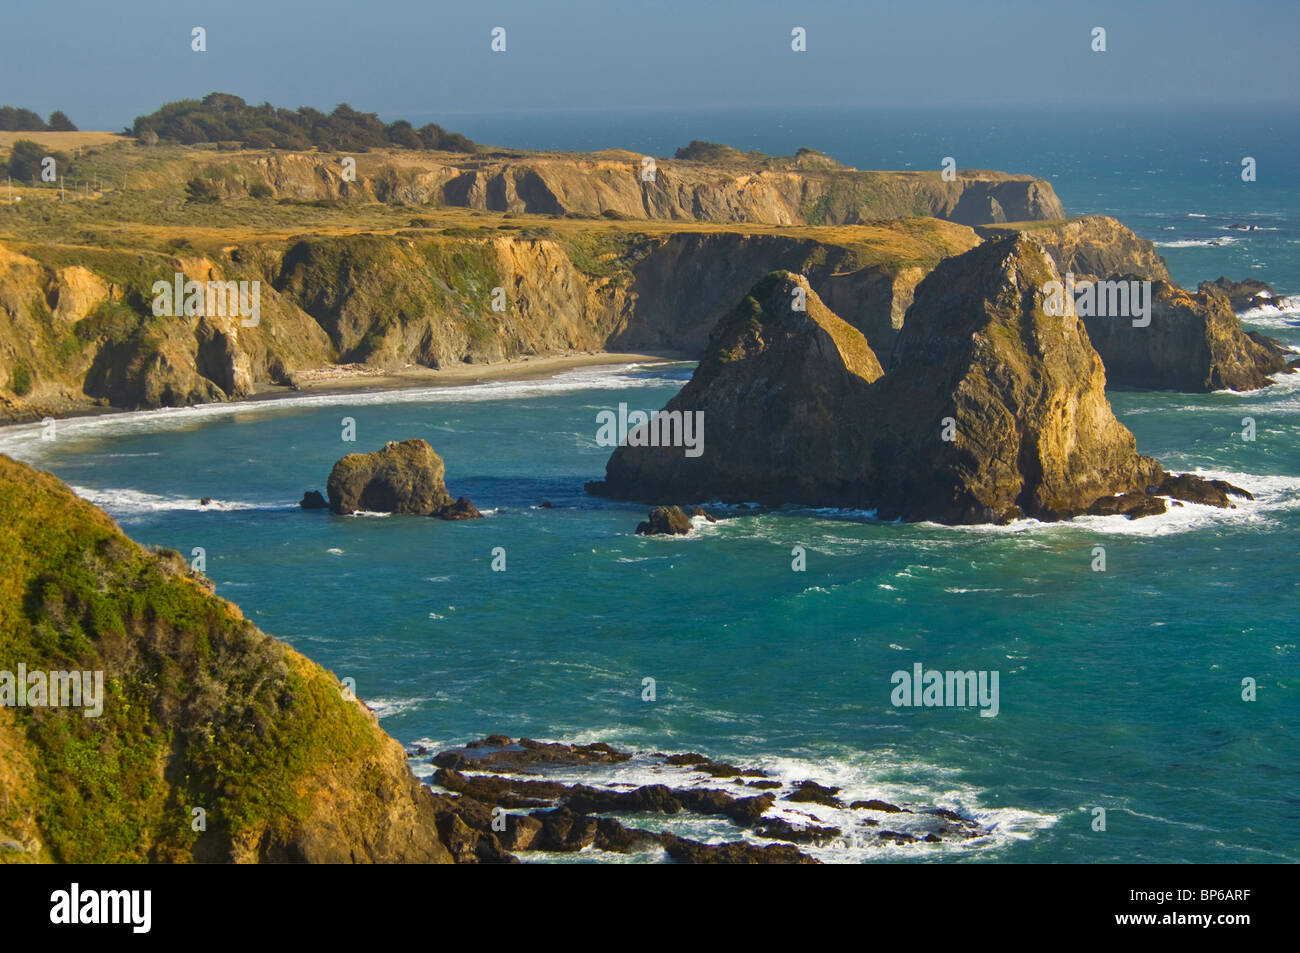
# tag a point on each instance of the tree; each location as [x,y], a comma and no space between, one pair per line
[59,122]
[20,120]
[400,133]
[25,159]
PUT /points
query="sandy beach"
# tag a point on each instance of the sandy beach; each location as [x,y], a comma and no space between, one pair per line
[342,378]
[349,378]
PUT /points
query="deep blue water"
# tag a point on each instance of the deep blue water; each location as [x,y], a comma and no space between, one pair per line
[1118,689]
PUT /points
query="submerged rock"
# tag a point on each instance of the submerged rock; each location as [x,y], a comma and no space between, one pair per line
[1183,486]
[570,817]
[404,477]
[462,509]
[1132,505]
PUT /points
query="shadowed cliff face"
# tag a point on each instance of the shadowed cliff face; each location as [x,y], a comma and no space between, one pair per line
[988,409]
[1032,431]
[772,388]
[199,709]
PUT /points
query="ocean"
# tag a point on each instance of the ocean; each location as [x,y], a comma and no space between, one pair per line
[1119,689]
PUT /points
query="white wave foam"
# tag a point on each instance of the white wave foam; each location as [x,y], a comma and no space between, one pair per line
[1199,242]
[124,502]
[858,776]
[385,707]
[1272,494]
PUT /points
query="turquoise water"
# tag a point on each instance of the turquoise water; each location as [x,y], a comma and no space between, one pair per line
[1118,689]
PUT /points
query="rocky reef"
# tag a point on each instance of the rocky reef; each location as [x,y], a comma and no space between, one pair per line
[989,409]
[406,477]
[499,797]
[214,742]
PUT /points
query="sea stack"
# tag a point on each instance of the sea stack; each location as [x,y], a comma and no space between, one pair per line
[990,408]
[405,477]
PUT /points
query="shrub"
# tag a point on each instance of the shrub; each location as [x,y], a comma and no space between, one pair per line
[199,189]
[260,190]
[20,381]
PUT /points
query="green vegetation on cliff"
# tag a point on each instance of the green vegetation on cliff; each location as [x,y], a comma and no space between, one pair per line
[201,710]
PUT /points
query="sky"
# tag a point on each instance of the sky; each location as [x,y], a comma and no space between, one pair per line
[105,63]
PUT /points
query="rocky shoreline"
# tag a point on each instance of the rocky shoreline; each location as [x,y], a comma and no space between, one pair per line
[497,798]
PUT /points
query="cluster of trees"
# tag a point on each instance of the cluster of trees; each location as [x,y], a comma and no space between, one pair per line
[13,119]
[221,117]
[25,160]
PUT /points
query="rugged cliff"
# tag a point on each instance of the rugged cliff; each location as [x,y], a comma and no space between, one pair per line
[199,710]
[988,408]
[617,184]
[1194,341]
[72,335]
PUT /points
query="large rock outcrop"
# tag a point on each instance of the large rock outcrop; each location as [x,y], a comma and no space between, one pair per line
[1193,342]
[406,477]
[990,409]
[1245,295]
[772,389]
[199,709]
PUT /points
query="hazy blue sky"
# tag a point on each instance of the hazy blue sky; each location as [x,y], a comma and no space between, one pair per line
[106,62]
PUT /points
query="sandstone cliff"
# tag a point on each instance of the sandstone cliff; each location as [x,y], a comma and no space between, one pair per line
[84,334]
[200,709]
[988,409]
[611,183]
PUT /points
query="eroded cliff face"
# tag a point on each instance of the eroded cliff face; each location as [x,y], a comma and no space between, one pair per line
[85,334]
[612,183]
[199,710]
[988,409]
